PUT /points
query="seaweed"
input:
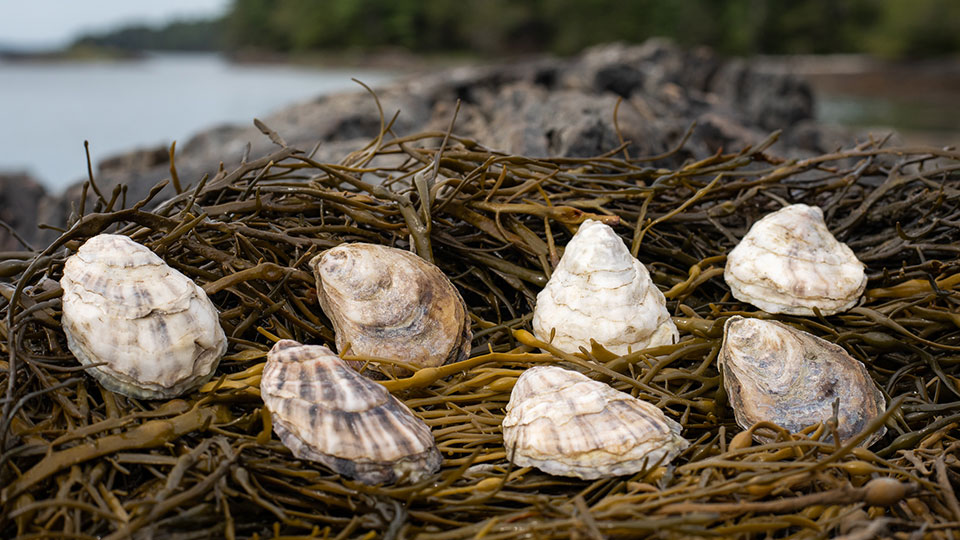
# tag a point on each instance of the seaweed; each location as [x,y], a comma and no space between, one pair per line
[77,461]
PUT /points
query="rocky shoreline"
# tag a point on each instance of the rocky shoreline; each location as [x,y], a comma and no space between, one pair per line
[542,107]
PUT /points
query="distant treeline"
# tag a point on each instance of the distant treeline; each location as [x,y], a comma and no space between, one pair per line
[891,28]
[203,35]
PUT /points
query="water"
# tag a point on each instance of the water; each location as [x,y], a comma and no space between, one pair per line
[48,109]
[916,120]
[917,99]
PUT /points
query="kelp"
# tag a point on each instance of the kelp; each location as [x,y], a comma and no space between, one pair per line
[77,461]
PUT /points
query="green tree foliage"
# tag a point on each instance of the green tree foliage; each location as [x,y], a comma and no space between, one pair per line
[917,28]
[887,27]
[893,28]
[250,24]
[176,36]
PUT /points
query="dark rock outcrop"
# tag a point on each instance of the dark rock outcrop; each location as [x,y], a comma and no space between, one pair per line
[21,197]
[558,107]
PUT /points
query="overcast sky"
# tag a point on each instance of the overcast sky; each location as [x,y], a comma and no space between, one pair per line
[52,23]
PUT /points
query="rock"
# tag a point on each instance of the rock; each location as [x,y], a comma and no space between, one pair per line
[141,159]
[626,70]
[20,197]
[529,120]
[720,132]
[768,100]
[540,107]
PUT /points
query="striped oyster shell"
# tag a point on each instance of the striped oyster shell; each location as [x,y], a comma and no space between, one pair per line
[564,423]
[324,411]
[775,373]
[155,331]
[789,262]
[389,303]
[601,292]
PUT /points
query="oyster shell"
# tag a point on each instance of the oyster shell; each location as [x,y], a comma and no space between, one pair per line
[789,262]
[564,423]
[389,303]
[601,292]
[154,329]
[324,411]
[775,373]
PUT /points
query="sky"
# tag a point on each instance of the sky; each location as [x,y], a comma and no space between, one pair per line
[54,23]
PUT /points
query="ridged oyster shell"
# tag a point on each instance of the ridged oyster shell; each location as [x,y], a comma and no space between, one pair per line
[155,329]
[601,292]
[566,424]
[775,373]
[389,303]
[789,262]
[324,411]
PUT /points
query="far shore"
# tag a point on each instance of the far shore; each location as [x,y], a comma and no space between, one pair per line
[70,54]
[859,74]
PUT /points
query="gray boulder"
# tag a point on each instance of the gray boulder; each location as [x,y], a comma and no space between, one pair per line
[20,200]
[540,107]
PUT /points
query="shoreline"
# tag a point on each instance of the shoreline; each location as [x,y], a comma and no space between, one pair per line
[917,99]
[851,91]
[546,106]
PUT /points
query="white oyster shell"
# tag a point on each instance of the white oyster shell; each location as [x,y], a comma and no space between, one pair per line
[154,329]
[324,411]
[601,292]
[775,373]
[389,303]
[566,424]
[789,262]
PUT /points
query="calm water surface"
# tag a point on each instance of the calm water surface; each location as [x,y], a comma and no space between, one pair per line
[47,110]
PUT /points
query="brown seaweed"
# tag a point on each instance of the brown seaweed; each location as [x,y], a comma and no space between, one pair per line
[77,461]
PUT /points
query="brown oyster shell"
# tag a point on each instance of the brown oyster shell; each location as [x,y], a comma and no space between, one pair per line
[564,423]
[389,303]
[324,411]
[153,329]
[775,373]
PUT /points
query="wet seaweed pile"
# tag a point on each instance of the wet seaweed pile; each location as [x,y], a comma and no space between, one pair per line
[77,461]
